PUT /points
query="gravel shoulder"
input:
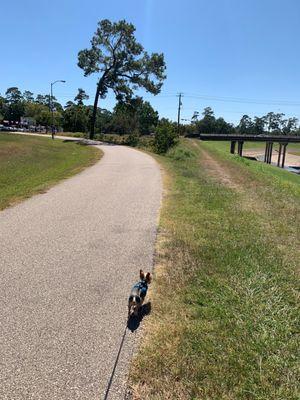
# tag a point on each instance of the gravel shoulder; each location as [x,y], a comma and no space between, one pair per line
[68,260]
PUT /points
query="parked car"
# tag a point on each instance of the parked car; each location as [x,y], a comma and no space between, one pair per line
[5,128]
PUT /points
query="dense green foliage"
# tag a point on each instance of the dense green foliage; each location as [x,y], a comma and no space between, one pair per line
[30,165]
[274,123]
[165,137]
[210,124]
[16,105]
[134,115]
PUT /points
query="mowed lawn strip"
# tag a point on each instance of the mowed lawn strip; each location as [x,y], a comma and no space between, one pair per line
[225,315]
[30,165]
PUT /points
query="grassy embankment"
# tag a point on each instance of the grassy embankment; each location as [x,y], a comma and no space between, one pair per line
[224,300]
[30,165]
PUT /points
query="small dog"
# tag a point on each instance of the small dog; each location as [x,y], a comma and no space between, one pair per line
[138,294]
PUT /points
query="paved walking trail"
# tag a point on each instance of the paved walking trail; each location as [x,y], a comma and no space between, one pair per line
[68,259]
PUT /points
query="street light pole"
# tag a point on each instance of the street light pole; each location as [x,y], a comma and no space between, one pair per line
[51,104]
[52,112]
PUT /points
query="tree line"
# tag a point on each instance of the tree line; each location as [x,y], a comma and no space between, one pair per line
[15,105]
[132,116]
[271,123]
[135,115]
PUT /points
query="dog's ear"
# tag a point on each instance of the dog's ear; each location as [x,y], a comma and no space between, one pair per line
[148,277]
[142,275]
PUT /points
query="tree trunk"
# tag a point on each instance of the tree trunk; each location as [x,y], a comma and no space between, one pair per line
[75,123]
[94,115]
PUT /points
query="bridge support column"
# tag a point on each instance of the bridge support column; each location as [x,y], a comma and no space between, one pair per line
[267,152]
[232,146]
[270,149]
[279,154]
[283,154]
[240,148]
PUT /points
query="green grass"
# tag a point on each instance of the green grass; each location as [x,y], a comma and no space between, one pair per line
[30,165]
[225,316]
[280,178]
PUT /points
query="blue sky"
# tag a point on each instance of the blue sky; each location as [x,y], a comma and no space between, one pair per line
[237,56]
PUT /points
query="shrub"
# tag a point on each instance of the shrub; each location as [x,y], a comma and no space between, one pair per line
[133,139]
[165,138]
[112,138]
[146,142]
[180,154]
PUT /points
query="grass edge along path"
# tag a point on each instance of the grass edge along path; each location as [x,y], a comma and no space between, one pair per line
[224,300]
[30,165]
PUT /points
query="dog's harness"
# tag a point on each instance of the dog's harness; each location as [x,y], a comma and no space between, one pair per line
[142,287]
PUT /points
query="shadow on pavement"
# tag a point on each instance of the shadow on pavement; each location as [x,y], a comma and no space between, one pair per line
[134,321]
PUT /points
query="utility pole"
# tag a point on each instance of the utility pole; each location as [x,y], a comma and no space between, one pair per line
[179,110]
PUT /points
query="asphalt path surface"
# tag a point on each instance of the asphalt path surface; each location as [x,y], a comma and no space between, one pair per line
[68,259]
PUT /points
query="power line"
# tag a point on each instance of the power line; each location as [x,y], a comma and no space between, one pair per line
[211,98]
[243,100]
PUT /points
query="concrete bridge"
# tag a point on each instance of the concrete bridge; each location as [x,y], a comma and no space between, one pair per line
[268,139]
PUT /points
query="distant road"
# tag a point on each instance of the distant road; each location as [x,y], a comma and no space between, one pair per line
[68,260]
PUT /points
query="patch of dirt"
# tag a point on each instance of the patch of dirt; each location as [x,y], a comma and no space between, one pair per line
[249,199]
[218,171]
